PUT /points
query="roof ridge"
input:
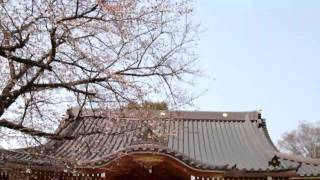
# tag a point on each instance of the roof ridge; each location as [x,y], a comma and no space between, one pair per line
[175,114]
[298,159]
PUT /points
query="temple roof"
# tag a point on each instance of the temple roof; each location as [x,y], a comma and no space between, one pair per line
[200,140]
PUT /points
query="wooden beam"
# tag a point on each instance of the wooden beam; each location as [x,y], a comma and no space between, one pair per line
[278,174]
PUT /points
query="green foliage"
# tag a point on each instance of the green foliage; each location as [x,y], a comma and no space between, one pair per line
[133,105]
[148,105]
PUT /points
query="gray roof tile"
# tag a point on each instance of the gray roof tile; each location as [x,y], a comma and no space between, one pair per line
[203,140]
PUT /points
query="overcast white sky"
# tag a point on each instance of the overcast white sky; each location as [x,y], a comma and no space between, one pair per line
[263,55]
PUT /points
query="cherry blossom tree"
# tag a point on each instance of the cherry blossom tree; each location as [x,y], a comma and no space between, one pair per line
[57,54]
[304,141]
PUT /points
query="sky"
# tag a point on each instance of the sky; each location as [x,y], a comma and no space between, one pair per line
[262,55]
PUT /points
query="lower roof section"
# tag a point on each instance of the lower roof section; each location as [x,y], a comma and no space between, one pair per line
[204,141]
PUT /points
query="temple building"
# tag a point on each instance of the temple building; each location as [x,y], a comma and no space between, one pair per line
[167,145]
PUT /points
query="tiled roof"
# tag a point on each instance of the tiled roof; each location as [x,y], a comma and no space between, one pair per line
[202,140]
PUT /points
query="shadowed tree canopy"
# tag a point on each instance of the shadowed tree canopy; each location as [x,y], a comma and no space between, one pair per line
[148,105]
[304,141]
[56,54]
